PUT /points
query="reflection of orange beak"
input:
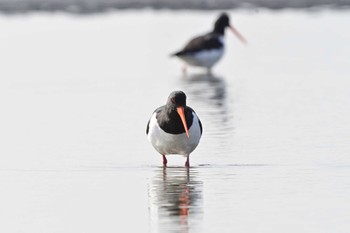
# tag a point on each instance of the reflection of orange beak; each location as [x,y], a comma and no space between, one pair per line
[181,112]
[240,37]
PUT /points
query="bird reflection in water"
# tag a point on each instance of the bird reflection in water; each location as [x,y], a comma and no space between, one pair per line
[206,87]
[175,197]
[208,93]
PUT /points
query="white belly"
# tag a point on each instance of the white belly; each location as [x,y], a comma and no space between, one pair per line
[180,144]
[205,58]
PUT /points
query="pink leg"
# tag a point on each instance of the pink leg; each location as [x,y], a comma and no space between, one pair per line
[184,70]
[165,161]
[187,164]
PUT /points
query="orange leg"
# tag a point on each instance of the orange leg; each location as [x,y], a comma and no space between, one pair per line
[187,164]
[165,161]
[184,70]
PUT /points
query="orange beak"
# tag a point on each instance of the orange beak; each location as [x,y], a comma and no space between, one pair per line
[240,37]
[181,112]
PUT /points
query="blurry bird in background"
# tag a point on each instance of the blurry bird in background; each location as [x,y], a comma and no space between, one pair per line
[206,50]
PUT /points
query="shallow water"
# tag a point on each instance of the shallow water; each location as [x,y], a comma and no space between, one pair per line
[76,94]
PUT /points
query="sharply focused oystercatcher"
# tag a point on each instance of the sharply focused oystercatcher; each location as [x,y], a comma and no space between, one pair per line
[174,128]
[206,50]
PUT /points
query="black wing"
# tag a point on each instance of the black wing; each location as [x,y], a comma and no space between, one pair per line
[147,129]
[199,121]
[206,42]
[200,125]
[157,110]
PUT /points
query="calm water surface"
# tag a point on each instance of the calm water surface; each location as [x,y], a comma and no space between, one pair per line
[76,94]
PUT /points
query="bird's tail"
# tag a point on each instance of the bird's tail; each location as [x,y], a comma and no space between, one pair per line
[177,54]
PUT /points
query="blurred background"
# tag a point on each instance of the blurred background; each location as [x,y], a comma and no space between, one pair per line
[79,80]
[93,6]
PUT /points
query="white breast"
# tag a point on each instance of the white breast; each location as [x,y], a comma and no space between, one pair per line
[205,58]
[166,143]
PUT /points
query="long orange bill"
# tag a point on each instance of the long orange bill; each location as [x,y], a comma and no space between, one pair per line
[240,37]
[181,112]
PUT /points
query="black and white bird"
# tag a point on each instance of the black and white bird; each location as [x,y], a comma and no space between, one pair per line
[206,50]
[174,128]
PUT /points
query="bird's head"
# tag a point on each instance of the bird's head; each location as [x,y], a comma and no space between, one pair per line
[222,23]
[177,100]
